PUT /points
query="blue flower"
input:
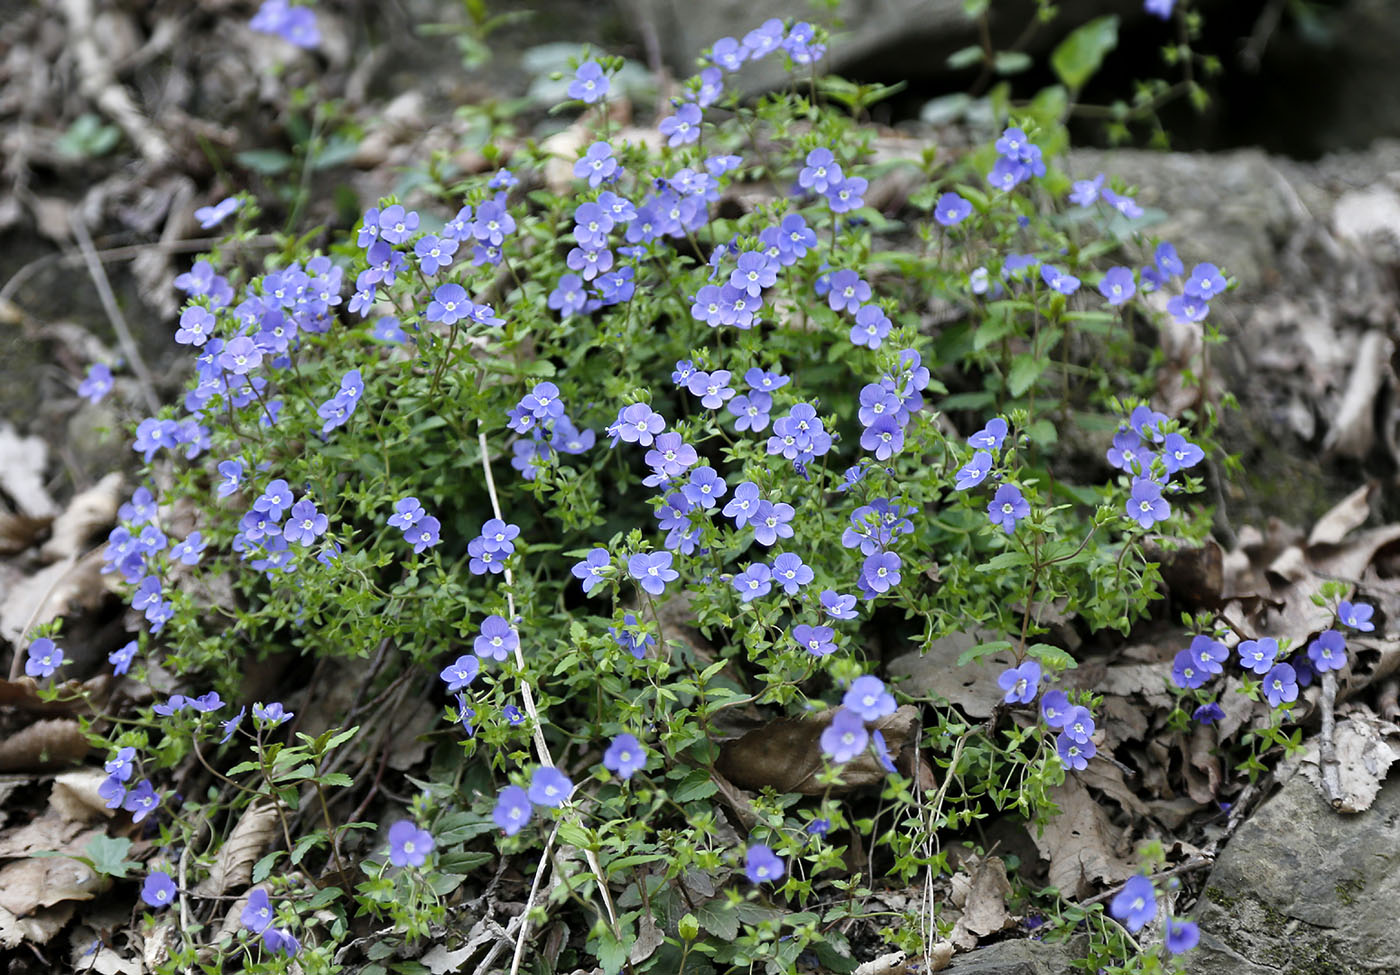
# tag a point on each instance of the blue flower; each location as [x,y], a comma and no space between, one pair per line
[633,642]
[496,641]
[1187,670]
[1328,651]
[868,698]
[1117,285]
[745,505]
[974,472]
[590,84]
[1180,935]
[821,171]
[1074,754]
[1136,904]
[1204,282]
[597,165]
[141,800]
[845,737]
[625,756]
[304,523]
[211,216]
[1020,683]
[1356,615]
[43,659]
[683,127]
[753,582]
[461,673]
[96,384]
[751,411]
[1178,453]
[591,572]
[871,327]
[272,714]
[549,787]
[771,521]
[1210,654]
[1258,655]
[409,846]
[1061,281]
[1123,204]
[838,606]
[1208,713]
[159,890]
[705,487]
[762,865]
[652,571]
[880,572]
[951,209]
[1007,507]
[512,810]
[816,640]
[1145,504]
[991,436]
[121,765]
[1079,724]
[1086,191]
[1281,685]
[1054,708]
[407,513]
[790,572]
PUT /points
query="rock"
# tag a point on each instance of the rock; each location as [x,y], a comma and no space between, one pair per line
[1013,958]
[1301,889]
[904,38]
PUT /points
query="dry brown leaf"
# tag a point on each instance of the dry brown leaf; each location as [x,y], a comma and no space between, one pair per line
[1080,843]
[939,957]
[256,830]
[27,885]
[1344,517]
[1366,747]
[1202,768]
[51,592]
[649,938]
[984,912]
[408,744]
[972,687]
[787,754]
[23,693]
[19,532]
[74,796]
[36,929]
[738,802]
[48,744]
[1353,431]
[22,463]
[90,512]
[1107,777]
[50,831]
[1194,575]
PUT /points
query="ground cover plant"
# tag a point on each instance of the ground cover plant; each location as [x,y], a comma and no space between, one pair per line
[632,472]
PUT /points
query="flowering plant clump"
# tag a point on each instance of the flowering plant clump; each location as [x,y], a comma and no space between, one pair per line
[601,465]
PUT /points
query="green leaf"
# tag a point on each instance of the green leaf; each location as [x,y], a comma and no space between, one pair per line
[697,785]
[107,855]
[1081,53]
[263,868]
[1004,561]
[1051,656]
[982,650]
[1025,370]
[964,57]
[268,162]
[976,8]
[1011,62]
[463,862]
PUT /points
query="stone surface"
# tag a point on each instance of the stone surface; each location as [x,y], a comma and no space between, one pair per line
[1303,890]
[905,38]
[1013,958]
